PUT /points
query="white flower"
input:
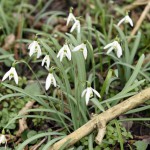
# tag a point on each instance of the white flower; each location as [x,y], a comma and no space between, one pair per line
[88,92]
[76,25]
[71,17]
[46,60]
[81,47]
[11,74]
[50,80]
[3,139]
[126,19]
[34,47]
[64,51]
[116,46]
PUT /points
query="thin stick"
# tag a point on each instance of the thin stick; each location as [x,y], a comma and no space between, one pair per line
[139,22]
[22,122]
[136,4]
[35,147]
[103,119]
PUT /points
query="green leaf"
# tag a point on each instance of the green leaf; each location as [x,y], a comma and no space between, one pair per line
[33,89]
[141,145]
[37,136]
[105,84]
[136,72]
[39,100]
[31,134]
[97,104]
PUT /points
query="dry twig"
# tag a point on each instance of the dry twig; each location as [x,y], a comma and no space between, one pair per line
[102,119]
[35,147]
[22,122]
[139,22]
[136,4]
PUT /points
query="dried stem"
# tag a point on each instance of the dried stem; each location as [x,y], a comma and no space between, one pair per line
[102,119]
[135,4]
[22,122]
[139,22]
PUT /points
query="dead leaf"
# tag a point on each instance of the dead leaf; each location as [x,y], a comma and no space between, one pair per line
[9,40]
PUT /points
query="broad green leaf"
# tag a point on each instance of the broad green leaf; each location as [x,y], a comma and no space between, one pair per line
[141,145]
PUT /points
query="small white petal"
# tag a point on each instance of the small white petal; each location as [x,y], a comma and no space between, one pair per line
[108,45]
[68,55]
[119,50]
[48,62]
[66,47]
[60,51]
[118,54]
[121,21]
[6,75]
[83,93]
[54,81]
[48,82]
[130,21]
[32,48]
[39,53]
[68,52]
[15,75]
[87,96]
[85,52]
[96,92]
[73,27]
[61,56]
[31,45]
[77,48]
[109,50]
[10,77]
[71,17]
[43,61]
[76,25]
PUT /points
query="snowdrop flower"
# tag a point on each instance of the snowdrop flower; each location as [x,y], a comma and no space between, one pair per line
[76,25]
[46,60]
[126,19]
[34,47]
[11,74]
[88,92]
[71,17]
[3,139]
[50,80]
[64,51]
[116,46]
[81,47]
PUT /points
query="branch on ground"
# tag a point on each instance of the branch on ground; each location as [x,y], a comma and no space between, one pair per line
[22,122]
[102,119]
